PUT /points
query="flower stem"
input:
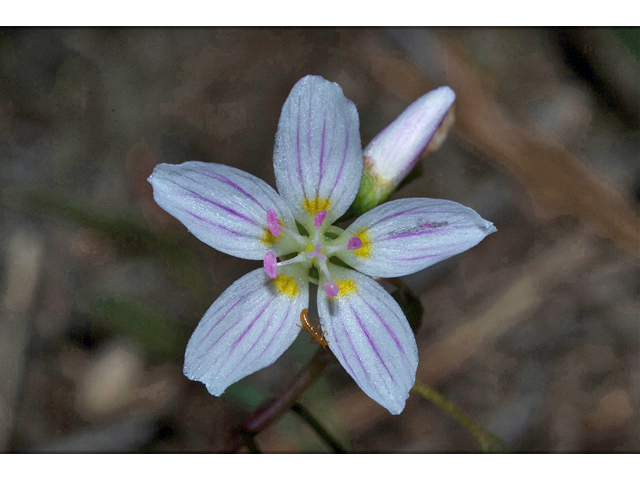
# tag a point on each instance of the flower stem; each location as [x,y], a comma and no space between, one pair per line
[271,410]
[487,442]
[318,428]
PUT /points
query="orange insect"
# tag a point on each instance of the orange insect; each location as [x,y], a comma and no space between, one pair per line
[313,330]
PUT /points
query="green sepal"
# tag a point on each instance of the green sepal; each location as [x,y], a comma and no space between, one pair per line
[373,191]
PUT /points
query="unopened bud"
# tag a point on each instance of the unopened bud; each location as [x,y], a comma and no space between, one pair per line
[393,153]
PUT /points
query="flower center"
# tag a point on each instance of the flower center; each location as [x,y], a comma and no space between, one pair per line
[312,251]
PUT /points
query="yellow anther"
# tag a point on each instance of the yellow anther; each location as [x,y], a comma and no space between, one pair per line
[313,206]
[346,286]
[286,285]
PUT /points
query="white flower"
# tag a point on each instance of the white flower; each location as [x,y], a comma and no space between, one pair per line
[318,166]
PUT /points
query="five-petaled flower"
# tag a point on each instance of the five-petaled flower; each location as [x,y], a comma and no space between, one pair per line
[318,165]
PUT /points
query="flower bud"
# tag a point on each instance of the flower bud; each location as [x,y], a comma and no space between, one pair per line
[393,153]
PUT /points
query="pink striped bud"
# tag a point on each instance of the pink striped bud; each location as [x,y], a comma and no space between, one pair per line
[393,153]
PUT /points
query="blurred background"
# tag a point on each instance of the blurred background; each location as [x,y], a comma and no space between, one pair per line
[534,333]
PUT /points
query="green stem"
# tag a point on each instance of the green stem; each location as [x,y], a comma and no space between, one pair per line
[485,440]
[318,428]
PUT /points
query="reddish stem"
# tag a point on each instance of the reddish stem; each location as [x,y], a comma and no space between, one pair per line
[271,410]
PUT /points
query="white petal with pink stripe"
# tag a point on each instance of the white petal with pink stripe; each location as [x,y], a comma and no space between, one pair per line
[224,207]
[407,235]
[318,154]
[370,337]
[247,328]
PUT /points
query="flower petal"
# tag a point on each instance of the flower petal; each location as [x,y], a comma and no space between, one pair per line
[318,154]
[247,328]
[224,207]
[407,235]
[370,336]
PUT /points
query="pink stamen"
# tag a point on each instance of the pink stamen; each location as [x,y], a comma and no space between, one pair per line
[320,216]
[270,264]
[272,222]
[354,243]
[332,289]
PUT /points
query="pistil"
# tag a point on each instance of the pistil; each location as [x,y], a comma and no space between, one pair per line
[317,252]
